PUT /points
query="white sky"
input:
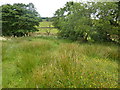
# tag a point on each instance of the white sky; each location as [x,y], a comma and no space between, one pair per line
[46,8]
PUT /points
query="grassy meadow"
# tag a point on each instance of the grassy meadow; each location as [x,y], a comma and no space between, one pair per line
[46,62]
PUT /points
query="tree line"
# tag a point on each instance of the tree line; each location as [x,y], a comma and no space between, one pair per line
[91,21]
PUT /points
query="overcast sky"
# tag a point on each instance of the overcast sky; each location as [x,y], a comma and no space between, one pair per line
[45,8]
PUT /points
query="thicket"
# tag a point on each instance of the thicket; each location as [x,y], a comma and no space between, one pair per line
[91,21]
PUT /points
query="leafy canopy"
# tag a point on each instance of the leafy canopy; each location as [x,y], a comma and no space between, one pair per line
[96,21]
[19,19]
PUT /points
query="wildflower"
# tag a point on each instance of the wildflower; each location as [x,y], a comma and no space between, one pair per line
[80,76]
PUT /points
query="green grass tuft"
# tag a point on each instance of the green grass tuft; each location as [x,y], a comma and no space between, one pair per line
[44,62]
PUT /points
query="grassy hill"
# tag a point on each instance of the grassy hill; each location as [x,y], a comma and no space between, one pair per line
[37,62]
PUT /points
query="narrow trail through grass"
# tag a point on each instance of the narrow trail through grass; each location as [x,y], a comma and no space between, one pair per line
[32,62]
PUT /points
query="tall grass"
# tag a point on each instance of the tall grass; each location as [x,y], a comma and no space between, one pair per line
[43,63]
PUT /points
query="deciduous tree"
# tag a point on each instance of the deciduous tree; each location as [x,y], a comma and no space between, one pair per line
[19,19]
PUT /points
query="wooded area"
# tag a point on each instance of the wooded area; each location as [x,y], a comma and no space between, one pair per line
[91,21]
[95,21]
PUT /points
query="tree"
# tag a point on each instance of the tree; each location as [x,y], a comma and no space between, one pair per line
[19,19]
[95,20]
[107,23]
[74,21]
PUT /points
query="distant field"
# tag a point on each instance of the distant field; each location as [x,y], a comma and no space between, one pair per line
[46,62]
[43,30]
[45,24]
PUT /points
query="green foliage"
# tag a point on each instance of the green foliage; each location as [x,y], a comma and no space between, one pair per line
[34,62]
[108,22]
[95,20]
[19,19]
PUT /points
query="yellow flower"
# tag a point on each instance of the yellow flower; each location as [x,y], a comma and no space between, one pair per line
[80,76]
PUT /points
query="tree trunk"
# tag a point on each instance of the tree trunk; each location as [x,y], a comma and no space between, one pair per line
[85,38]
